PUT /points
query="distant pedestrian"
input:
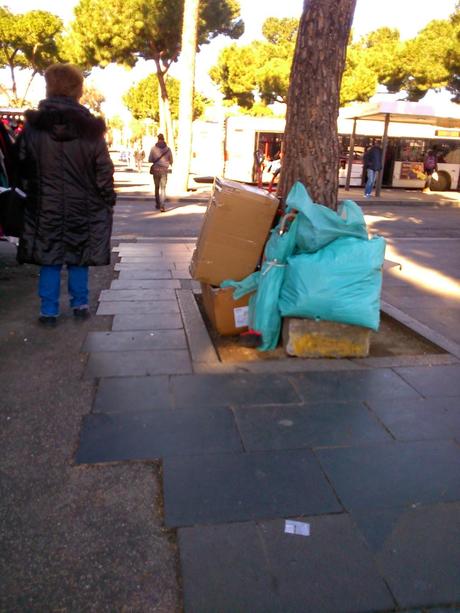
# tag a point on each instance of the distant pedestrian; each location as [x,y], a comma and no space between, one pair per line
[161,159]
[139,156]
[65,168]
[430,168]
[372,161]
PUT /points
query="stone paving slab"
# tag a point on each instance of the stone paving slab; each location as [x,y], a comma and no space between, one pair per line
[213,390]
[130,394]
[145,307]
[417,552]
[394,474]
[258,567]
[240,487]
[157,266]
[353,385]
[181,273]
[427,418]
[136,295]
[294,427]
[140,258]
[137,363]
[225,569]
[145,261]
[157,284]
[329,571]
[156,434]
[153,321]
[135,341]
[433,382]
[144,274]
[201,347]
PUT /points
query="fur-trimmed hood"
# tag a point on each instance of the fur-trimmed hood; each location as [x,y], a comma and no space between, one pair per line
[65,120]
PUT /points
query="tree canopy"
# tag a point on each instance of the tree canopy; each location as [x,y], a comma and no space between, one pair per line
[28,41]
[260,72]
[260,69]
[121,31]
[142,99]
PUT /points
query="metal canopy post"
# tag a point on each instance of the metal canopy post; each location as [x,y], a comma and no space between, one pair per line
[384,153]
[350,156]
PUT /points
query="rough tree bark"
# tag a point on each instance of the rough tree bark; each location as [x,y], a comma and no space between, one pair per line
[187,86]
[311,149]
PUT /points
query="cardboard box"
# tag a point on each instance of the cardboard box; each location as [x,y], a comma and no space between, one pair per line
[228,316]
[235,229]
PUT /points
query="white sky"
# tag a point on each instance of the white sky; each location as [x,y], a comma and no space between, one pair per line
[409,16]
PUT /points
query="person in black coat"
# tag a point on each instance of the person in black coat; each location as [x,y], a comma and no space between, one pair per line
[372,162]
[65,169]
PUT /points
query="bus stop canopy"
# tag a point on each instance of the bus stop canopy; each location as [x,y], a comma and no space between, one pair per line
[445,115]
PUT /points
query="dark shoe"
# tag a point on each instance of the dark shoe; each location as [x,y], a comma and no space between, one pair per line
[162,209]
[81,313]
[47,321]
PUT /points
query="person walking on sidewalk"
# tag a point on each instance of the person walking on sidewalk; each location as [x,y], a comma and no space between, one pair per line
[65,169]
[430,168]
[161,158]
[372,161]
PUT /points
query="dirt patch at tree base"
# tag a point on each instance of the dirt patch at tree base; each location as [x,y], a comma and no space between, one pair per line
[392,339]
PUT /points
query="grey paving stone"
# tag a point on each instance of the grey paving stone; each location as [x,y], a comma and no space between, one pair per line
[329,571]
[181,274]
[135,341]
[156,434]
[321,425]
[157,284]
[418,553]
[352,385]
[244,486]
[212,390]
[436,381]
[141,259]
[200,345]
[394,474]
[144,274]
[159,266]
[137,363]
[127,394]
[137,295]
[123,307]
[425,418]
[225,569]
[152,321]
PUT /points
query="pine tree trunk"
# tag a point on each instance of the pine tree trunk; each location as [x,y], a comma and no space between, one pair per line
[311,149]
[187,60]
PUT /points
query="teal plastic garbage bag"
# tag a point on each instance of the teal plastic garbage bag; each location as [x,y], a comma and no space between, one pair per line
[318,225]
[264,314]
[245,286]
[340,282]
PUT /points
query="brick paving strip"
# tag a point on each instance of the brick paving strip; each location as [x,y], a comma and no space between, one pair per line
[368,456]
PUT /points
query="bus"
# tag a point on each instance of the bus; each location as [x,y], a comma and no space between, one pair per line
[232,148]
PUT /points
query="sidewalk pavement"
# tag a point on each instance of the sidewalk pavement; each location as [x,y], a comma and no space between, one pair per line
[134,185]
[364,453]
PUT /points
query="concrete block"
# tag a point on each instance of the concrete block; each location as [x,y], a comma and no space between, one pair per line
[308,338]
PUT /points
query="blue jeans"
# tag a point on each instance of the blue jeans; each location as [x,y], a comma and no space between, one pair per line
[371,177]
[49,287]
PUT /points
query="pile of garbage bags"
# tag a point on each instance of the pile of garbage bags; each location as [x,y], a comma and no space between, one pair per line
[317,264]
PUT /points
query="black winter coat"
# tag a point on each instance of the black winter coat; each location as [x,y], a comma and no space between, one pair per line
[65,169]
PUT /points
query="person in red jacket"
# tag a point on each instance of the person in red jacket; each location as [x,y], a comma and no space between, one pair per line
[66,171]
